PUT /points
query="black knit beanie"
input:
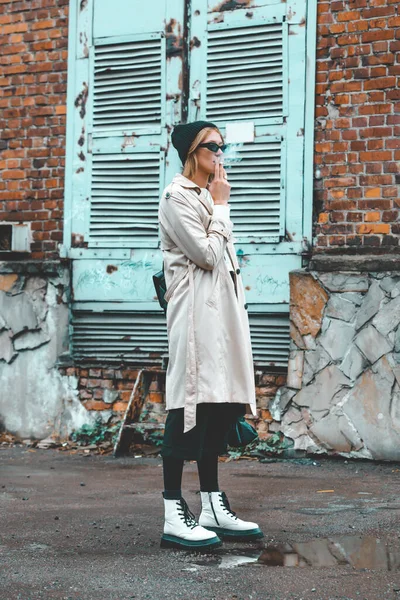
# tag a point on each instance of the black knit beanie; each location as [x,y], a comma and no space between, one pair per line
[183,136]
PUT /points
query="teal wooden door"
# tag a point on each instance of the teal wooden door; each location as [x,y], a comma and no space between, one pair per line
[124,96]
[250,67]
[134,72]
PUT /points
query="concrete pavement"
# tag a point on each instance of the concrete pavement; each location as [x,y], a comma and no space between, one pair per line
[84,527]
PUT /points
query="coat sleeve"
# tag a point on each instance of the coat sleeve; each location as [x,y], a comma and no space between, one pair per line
[185,227]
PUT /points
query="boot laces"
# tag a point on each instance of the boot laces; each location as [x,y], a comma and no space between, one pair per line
[226,506]
[185,514]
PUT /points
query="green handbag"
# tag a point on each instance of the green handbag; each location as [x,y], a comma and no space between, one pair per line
[241,433]
[161,288]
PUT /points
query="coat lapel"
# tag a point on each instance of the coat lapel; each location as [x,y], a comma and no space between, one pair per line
[190,185]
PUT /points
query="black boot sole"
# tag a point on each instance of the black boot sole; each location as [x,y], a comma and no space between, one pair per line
[237,536]
[172,541]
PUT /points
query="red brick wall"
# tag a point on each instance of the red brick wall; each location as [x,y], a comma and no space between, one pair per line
[107,388]
[357,145]
[33,83]
[93,383]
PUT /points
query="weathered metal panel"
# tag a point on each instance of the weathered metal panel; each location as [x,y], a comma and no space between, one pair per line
[130,280]
[136,337]
[124,17]
[126,280]
[265,276]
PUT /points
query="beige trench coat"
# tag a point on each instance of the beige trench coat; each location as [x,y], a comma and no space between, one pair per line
[210,357]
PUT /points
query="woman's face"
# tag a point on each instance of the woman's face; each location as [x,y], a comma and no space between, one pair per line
[206,159]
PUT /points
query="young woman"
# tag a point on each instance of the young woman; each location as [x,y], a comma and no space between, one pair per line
[210,377]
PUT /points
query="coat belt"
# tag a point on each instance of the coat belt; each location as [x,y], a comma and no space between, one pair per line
[191,359]
[191,362]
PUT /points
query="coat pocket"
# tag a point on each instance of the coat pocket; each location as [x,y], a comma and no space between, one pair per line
[213,296]
[174,284]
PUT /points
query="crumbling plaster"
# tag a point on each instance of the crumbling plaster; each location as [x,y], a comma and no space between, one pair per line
[35,399]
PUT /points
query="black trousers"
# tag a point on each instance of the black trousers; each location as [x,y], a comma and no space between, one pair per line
[207,438]
[203,443]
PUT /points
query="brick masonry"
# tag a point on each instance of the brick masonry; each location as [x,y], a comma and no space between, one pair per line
[33,83]
[103,388]
[109,389]
[357,127]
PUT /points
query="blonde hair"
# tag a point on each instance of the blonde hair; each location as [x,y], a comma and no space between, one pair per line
[191,164]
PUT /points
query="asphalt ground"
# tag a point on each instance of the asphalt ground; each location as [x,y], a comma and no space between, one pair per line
[86,527]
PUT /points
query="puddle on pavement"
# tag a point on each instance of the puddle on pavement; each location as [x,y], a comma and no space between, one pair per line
[337,551]
[326,510]
[226,559]
[336,508]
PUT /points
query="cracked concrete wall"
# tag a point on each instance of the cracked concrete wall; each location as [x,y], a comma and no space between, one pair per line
[343,390]
[35,399]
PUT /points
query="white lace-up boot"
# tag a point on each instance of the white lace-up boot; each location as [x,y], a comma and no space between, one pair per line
[217,516]
[181,529]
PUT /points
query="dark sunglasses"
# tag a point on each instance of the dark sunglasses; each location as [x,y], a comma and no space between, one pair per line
[213,147]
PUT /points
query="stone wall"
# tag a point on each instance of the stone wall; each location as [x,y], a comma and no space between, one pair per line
[35,399]
[343,389]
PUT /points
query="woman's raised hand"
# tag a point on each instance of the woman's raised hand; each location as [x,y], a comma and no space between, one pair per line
[220,188]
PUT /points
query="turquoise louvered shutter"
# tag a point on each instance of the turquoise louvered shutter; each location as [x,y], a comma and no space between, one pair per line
[245,68]
[118,98]
[257,198]
[128,83]
[125,334]
[245,81]
[124,94]
[119,334]
[127,126]
[124,195]
[250,69]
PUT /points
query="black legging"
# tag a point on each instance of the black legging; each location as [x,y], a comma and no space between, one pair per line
[173,469]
